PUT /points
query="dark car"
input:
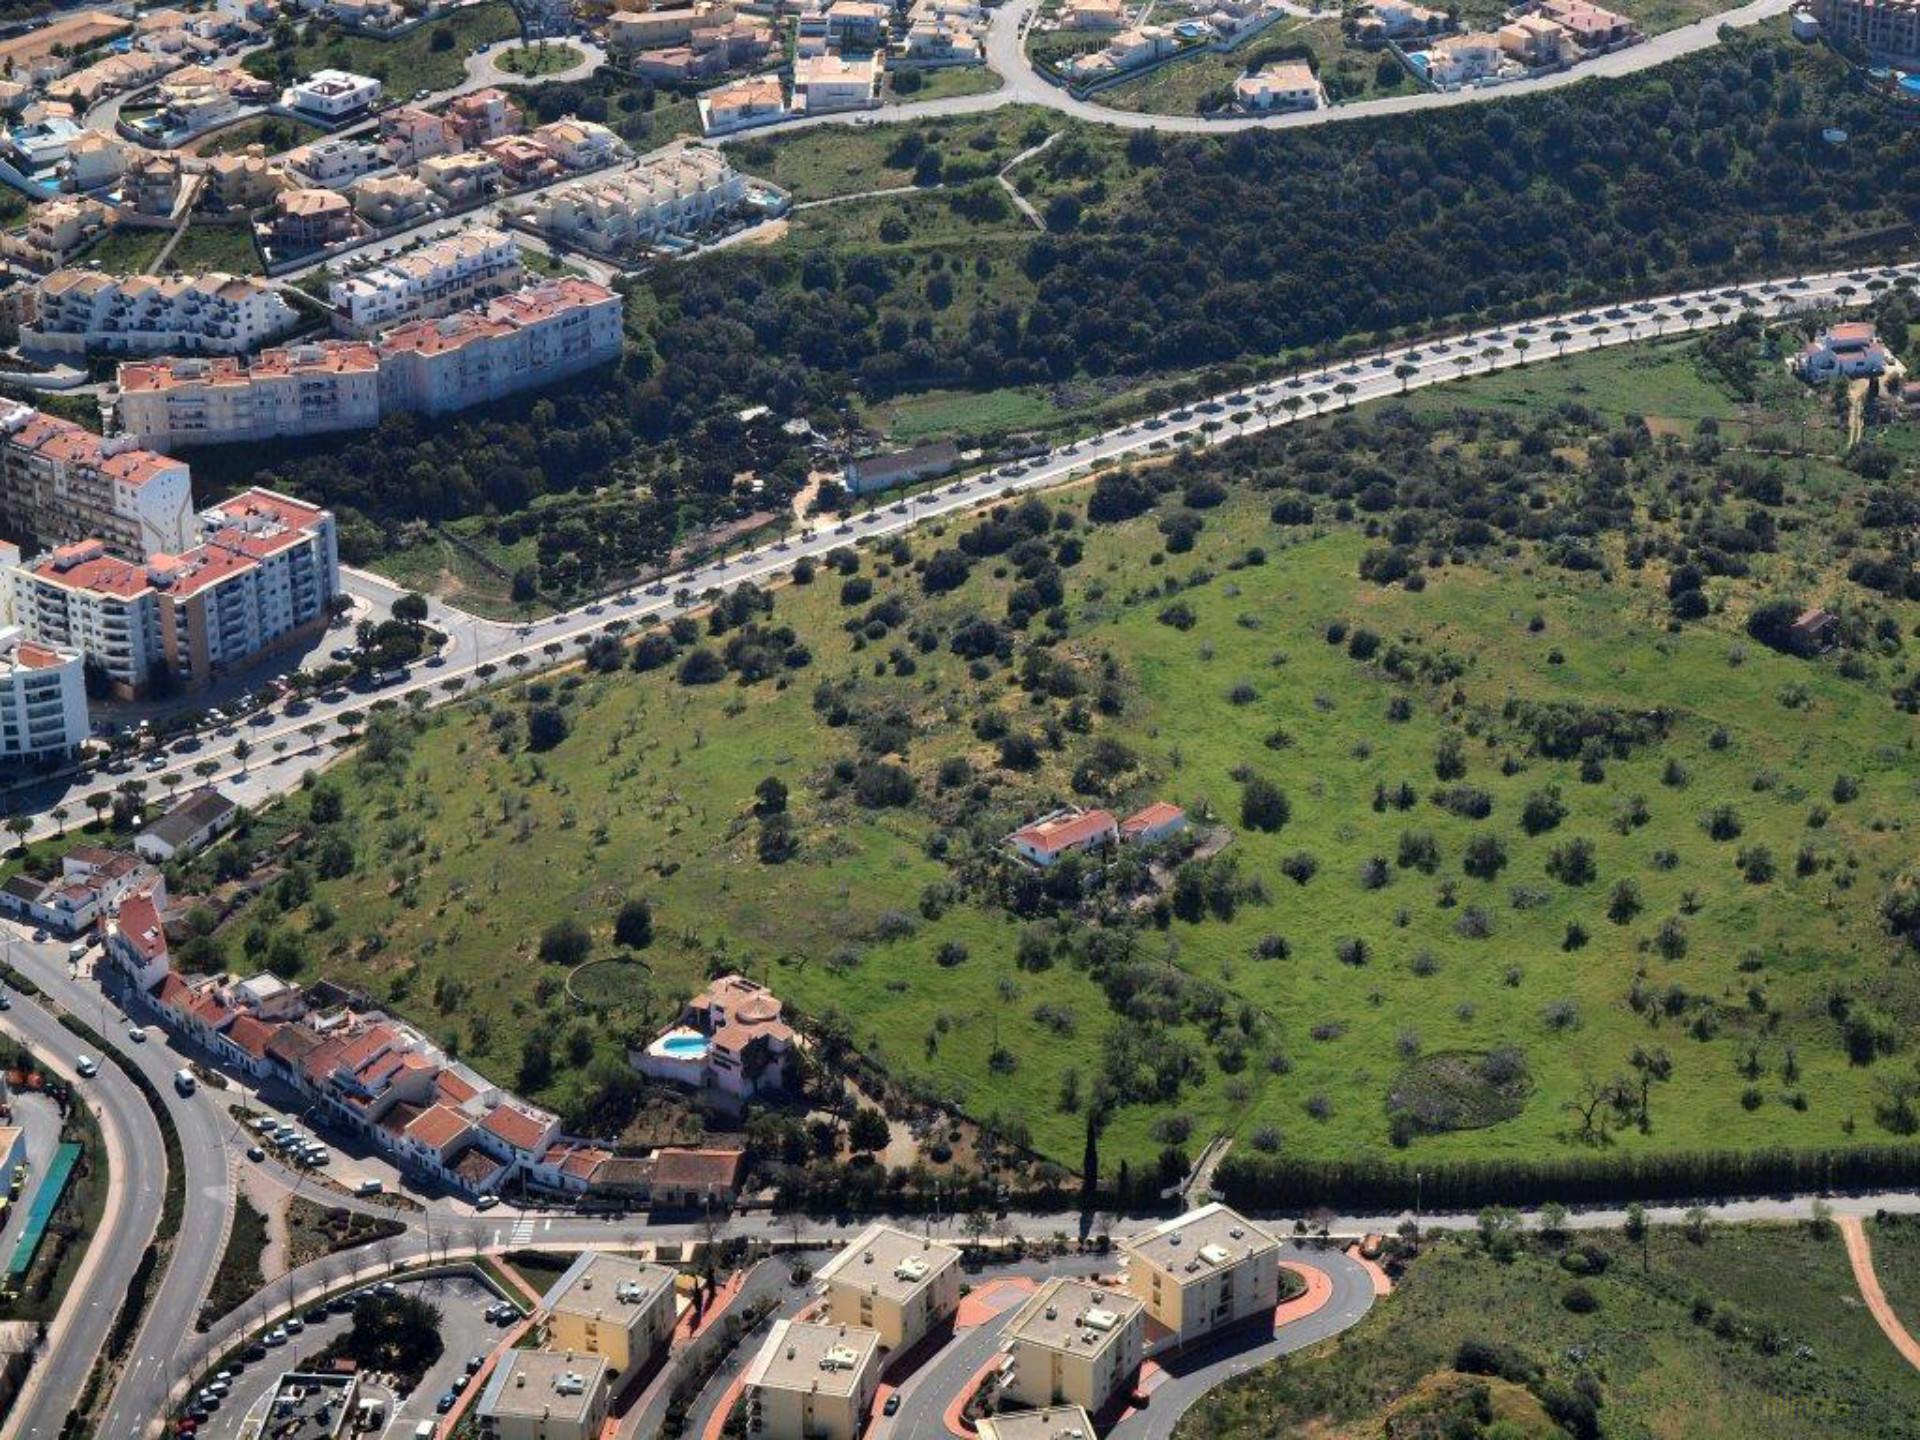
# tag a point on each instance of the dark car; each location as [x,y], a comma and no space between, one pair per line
[447,1401]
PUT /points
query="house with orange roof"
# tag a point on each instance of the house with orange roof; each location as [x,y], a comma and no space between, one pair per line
[1156,822]
[730,1038]
[483,115]
[1850,350]
[1059,833]
[136,939]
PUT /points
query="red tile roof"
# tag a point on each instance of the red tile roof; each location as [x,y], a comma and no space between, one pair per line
[516,1127]
[1053,836]
[142,929]
[1153,817]
[475,1166]
[251,1035]
[709,1168]
[438,1127]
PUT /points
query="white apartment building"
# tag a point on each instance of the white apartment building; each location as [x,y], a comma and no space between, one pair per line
[533,337]
[475,264]
[529,338]
[579,144]
[1073,1343]
[332,94]
[43,699]
[667,195]
[1204,1270]
[59,482]
[812,1382]
[264,576]
[897,1285]
[83,311]
[309,389]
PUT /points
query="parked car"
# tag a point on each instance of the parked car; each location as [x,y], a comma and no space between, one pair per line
[87,1066]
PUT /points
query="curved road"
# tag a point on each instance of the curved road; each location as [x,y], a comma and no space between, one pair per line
[1024,85]
[205,1140]
[135,1192]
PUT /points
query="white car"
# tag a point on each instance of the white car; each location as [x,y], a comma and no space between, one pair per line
[138,1034]
[87,1066]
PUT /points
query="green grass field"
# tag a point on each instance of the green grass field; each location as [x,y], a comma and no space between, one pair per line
[940,84]
[650,795]
[431,56]
[126,251]
[1347,72]
[435,564]
[848,159]
[542,58]
[206,246]
[1896,1261]
[1756,1333]
[276,132]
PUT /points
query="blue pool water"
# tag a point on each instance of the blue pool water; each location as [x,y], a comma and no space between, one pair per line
[685,1047]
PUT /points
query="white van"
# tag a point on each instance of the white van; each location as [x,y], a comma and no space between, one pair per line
[184,1082]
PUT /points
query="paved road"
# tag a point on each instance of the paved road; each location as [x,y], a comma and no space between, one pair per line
[1193,1373]
[1023,85]
[136,1172]
[306,734]
[208,1143]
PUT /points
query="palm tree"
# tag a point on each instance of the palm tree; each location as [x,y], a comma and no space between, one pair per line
[1493,353]
[172,781]
[1463,363]
[1691,315]
[19,826]
[1319,398]
[1560,338]
[98,802]
[1239,420]
[1520,348]
[241,750]
[1406,372]
[313,729]
[59,813]
[1291,404]
[1345,390]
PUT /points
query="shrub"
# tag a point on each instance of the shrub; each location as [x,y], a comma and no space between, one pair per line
[1572,863]
[1485,856]
[1543,811]
[633,926]
[1263,805]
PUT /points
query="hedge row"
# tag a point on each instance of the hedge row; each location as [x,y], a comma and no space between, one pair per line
[1269,1183]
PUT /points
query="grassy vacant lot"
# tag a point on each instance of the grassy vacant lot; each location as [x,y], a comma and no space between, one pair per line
[314,1230]
[1754,1333]
[207,246]
[541,58]
[1896,1260]
[460,563]
[1728,957]
[940,84]
[849,159]
[276,132]
[1347,72]
[431,56]
[124,250]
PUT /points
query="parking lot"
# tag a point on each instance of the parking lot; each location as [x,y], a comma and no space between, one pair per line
[462,1301]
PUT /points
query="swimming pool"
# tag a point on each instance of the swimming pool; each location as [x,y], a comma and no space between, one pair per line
[684,1047]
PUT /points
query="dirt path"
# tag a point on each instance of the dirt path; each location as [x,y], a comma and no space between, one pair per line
[1860,1254]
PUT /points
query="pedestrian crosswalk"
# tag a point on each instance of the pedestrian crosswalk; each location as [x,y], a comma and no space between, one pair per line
[522,1233]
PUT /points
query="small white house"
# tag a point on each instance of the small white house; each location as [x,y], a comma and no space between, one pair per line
[188,827]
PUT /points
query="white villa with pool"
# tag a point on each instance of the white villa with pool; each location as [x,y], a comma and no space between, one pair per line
[730,1038]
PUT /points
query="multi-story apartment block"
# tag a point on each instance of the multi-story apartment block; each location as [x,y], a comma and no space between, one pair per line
[1056,1422]
[453,273]
[675,194]
[616,1308]
[43,699]
[482,116]
[1204,1270]
[900,1286]
[532,337]
[84,311]
[812,1382]
[59,482]
[264,577]
[1887,30]
[541,1395]
[1073,1343]
[631,31]
[309,389]
[858,24]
